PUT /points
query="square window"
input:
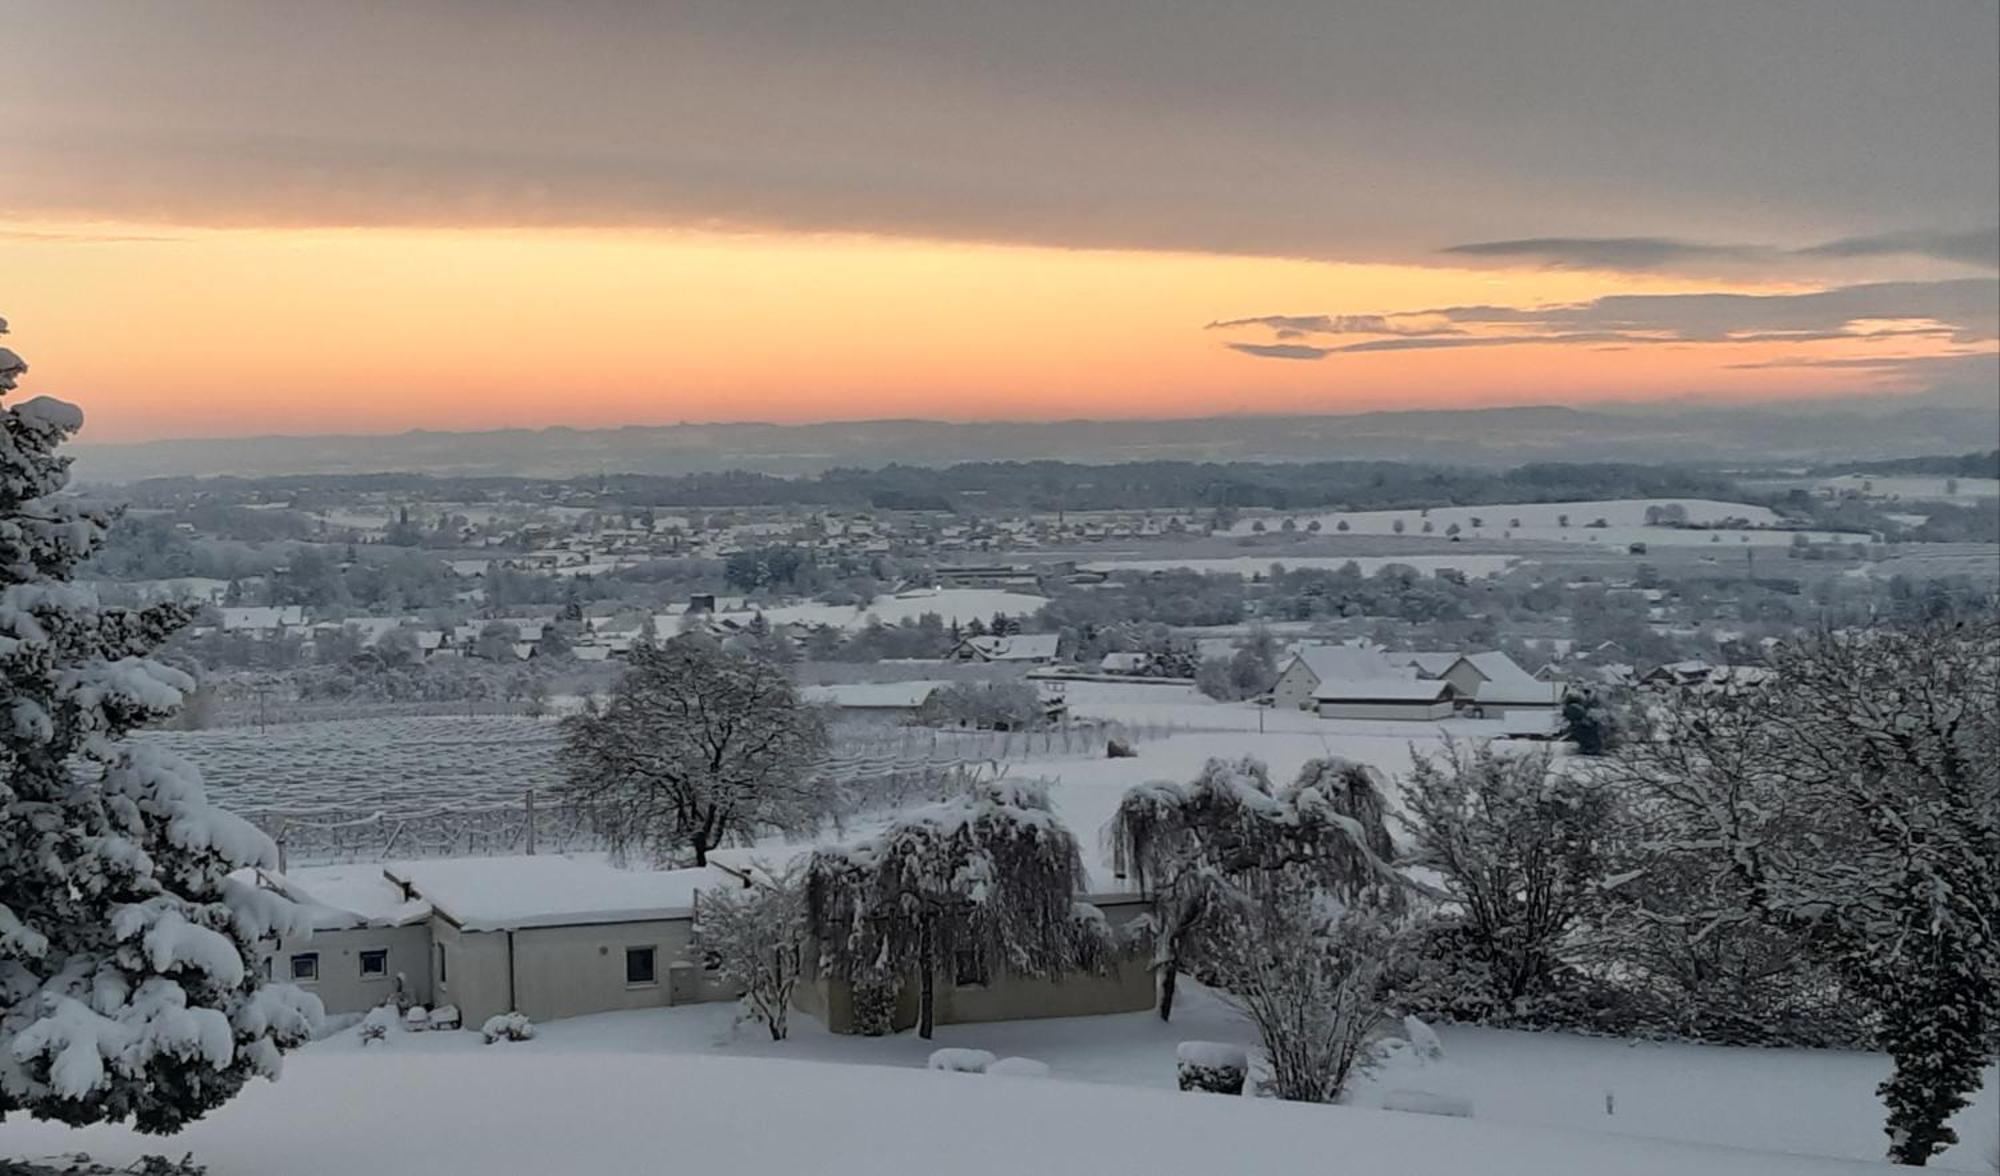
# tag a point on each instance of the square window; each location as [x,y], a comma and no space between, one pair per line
[639,966]
[375,963]
[305,967]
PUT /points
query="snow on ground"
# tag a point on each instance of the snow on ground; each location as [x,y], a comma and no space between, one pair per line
[1250,565]
[1625,521]
[687,1088]
[963,605]
[1912,488]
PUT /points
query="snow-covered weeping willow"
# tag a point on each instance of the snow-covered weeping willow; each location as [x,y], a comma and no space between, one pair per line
[991,873]
[127,989]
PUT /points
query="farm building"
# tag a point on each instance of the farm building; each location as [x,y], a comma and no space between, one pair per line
[1488,684]
[1409,699]
[883,700]
[1315,665]
[552,937]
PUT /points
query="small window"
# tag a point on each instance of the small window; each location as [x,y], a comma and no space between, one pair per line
[639,966]
[969,969]
[305,967]
[375,963]
[443,974]
[267,969]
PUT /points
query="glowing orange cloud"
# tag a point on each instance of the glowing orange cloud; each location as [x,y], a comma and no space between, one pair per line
[224,332]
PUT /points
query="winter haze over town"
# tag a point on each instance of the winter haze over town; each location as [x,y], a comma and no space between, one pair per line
[856,587]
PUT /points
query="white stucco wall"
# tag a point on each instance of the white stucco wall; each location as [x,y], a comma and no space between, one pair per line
[1295,687]
[341,987]
[1411,711]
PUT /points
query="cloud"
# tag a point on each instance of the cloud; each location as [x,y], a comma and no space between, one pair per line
[1977,247]
[1049,124]
[1281,350]
[1964,311]
[1298,326]
[1611,253]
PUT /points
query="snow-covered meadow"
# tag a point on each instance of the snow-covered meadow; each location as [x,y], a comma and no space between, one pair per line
[634,1090]
[1624,519]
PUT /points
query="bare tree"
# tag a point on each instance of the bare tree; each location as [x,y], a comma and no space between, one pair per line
[986,880]
[697,745]
[1852,798]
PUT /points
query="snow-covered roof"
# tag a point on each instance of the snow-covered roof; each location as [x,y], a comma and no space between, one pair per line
[1382,690]
[354,895]
[873,695]
[1349,662]
[504,893]
[1429,663]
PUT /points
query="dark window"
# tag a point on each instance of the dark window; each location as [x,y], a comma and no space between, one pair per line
[639,966]
[443,975]
[305,967]
[968,969]
[374,963]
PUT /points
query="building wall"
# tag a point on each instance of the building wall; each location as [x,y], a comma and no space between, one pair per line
[468,971]
[1410,711]
[341,987]
[1127,988]
[1464,678]
[1295,687]
[575,971]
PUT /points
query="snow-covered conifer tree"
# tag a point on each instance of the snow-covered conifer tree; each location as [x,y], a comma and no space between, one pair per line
[128,985]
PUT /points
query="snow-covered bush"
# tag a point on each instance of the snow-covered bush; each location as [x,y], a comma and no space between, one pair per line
[960,1061]
[1213,1066]
[1411,1074]
[445,1017]
[507,1027]
[416,1019]
[128,979]
[1019,1068]
[755,937]
[1116,748]
[377,1025]
[1518,846]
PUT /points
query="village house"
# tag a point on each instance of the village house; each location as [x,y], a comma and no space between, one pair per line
[552,937]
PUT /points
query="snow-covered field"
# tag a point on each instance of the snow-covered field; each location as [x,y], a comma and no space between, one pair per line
[1913,488]
[1250,565]
[962,605]
[1625,521]
[685,1089]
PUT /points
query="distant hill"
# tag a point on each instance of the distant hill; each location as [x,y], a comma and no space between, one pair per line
[1791,433]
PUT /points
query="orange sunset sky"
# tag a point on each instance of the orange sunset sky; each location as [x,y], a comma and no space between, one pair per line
[225,220]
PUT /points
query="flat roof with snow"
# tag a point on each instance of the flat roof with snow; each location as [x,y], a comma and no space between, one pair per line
[510,893]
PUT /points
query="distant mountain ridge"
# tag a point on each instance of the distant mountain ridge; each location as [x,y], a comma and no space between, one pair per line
[1489,437]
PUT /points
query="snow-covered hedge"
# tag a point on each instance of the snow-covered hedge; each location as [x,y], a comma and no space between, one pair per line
[1213,1066]
[507,1027]
[961,1061]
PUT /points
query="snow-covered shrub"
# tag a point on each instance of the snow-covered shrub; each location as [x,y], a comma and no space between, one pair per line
[377,1024]
[1019,1068]
[507,1027]
[1116,748]
[1519,847]
[960,1061]
[1213,1066]
[129,985]
[756,937]
[1411,1074]
[874,1006]
[417,1019]
[445,1017]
